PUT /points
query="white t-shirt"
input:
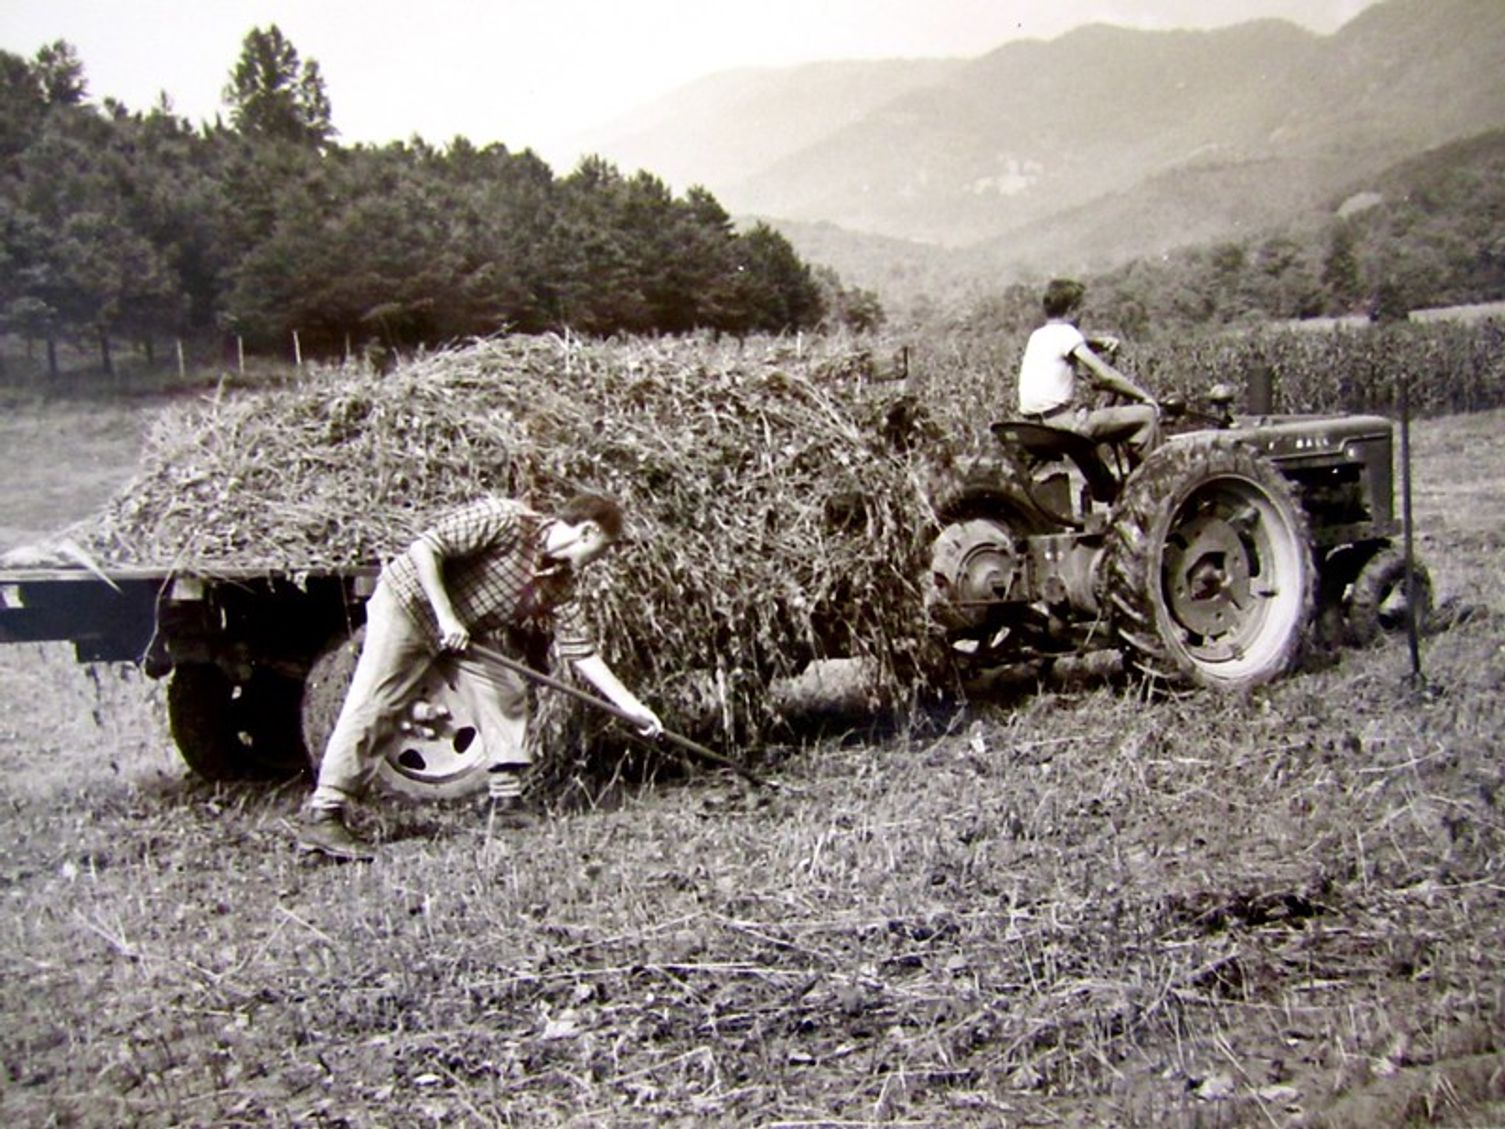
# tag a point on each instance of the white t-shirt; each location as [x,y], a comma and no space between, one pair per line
[1047,377]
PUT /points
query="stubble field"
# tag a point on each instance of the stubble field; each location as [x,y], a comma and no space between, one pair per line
[1079,907]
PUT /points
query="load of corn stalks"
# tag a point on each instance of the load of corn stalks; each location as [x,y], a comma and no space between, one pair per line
[775,515]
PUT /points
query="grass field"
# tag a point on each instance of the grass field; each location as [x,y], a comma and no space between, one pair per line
[63,461]
[1076,908]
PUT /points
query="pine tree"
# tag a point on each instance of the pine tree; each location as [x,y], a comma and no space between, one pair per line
[60,74]
[273,94]
[1340,268]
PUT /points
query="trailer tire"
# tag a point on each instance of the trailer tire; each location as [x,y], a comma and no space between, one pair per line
[450,765]
[324,689]
[236,730]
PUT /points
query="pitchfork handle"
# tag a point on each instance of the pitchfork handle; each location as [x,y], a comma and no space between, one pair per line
[538,676]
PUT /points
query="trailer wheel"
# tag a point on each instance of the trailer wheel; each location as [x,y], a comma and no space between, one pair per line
[1379,601]
[229,730]
[434,758]
[1209,569]
[324,690]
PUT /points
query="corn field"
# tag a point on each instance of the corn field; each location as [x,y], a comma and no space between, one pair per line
[1448,368]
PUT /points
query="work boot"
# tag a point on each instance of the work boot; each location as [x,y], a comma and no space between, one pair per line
[509,812]
[503,805]
[322,831]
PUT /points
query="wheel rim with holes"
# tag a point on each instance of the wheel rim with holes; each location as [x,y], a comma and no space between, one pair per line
[436,751]
[1209,571]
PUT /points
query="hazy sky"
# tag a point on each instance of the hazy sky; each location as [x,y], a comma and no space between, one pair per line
[535,73]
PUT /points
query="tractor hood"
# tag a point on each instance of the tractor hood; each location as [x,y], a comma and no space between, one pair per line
[1308,445]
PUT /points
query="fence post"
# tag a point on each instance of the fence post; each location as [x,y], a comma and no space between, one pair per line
[297,351]
[1405,481]
[182,366]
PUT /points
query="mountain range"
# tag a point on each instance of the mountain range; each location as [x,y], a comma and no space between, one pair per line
[1078,152]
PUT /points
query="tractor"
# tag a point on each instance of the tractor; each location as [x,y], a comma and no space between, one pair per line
[1213,560]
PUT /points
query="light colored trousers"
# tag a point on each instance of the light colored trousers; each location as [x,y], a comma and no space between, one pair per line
[393,661]
[1136,424]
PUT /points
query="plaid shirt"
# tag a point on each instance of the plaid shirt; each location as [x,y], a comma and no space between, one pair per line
[490,552]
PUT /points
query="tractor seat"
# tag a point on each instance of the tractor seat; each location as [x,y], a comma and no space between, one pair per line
[1042,442]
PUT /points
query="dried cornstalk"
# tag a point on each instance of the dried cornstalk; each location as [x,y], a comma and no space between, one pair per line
[770,522]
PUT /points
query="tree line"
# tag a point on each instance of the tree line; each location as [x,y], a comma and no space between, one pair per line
[138,226]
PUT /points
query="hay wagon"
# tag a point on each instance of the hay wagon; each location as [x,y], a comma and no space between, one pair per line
[255,661]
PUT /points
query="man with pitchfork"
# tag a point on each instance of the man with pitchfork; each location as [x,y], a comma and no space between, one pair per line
[483,571]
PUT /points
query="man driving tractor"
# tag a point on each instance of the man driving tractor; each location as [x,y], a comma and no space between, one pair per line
[1054,356]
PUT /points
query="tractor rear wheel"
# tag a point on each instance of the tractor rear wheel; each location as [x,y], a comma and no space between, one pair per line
[1209,572]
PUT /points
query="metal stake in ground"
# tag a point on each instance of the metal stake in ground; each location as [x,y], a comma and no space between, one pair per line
[590,699]
[1412,627]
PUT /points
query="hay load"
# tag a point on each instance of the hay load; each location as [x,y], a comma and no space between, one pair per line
[771,520]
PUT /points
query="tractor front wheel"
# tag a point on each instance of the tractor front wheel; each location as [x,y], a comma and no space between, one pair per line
[1380,602]
[1209,572]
